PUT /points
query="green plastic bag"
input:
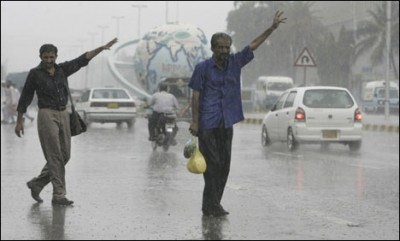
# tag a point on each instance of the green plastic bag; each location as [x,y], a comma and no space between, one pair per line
[190,147]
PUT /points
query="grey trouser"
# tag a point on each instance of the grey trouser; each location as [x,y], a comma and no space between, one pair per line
[55,139]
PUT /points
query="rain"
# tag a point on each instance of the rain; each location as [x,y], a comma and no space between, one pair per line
[123,188]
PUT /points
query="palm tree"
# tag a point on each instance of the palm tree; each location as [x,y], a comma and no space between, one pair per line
[372,35]
[335,58]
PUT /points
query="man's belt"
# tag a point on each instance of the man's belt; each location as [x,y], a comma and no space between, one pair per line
[59,108]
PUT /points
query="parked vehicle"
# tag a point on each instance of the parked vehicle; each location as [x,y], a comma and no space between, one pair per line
[374,96]
[269,88]
[107,105]
[318,114]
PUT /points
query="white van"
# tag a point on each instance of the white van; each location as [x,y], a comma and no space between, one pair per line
[374,94]
[268,89]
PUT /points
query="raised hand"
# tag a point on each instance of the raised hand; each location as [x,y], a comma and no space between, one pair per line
[111,43]
[277,19]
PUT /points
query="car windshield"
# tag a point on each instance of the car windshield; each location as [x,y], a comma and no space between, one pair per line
[109,94]
[381,93]
[279,86]
[325,98]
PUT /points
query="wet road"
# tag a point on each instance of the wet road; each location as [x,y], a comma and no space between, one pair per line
[124,190]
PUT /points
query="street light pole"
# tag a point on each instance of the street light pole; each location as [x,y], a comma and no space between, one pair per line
[117,18]
[92,35]
[139,7]
[387,62]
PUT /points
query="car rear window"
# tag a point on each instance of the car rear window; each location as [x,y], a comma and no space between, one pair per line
[325,98]
[110,94]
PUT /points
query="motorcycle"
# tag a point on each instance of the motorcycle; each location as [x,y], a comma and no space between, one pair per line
[165,131]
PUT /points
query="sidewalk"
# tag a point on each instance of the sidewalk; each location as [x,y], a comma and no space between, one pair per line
[370,122]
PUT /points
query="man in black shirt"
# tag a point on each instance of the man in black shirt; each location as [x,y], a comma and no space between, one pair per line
[48,79]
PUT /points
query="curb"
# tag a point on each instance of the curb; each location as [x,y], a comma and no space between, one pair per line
[366,127]
[382,128]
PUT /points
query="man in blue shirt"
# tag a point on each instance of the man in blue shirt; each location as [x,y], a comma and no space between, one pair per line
[216,106]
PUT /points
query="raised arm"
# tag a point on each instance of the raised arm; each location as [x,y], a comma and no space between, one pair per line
[260,39]
[94,52]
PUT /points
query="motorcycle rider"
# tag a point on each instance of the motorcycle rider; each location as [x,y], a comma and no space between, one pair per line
[161,102]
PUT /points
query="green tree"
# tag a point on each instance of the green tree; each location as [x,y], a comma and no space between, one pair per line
[336,58]
[371,35]
[277,55]
[246,22]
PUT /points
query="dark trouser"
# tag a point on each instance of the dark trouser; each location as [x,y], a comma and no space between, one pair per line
[153,122]
[215,145]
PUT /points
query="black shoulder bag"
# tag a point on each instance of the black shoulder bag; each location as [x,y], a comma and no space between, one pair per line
[76,123]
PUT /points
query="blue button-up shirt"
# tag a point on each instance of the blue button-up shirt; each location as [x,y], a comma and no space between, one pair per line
[220,90]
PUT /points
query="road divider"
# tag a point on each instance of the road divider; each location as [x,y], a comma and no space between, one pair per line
[366,127]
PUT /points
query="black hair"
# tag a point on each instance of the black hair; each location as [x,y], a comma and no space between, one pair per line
[219,35]
[163,87]
[48,48]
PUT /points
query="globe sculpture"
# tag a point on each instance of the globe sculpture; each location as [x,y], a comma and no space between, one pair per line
[171,50]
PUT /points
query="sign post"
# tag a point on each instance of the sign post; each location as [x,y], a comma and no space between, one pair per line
[305,60]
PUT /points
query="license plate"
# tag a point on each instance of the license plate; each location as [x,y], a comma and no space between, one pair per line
[169,127]
[331,134]
[112,105]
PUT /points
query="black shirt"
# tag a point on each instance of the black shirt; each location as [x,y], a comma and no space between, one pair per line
[50,90]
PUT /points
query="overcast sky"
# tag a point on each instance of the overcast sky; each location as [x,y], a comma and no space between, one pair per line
[25,26]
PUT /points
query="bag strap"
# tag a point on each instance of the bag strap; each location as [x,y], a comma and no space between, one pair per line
[70,96]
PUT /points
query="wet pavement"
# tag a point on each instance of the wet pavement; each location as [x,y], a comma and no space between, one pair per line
[124,190]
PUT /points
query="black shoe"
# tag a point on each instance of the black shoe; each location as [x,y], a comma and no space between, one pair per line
[34,191]
[62,202]
[215,213]
[207,213]
[223,210]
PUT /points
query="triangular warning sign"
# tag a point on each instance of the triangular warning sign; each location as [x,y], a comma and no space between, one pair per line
[305,59]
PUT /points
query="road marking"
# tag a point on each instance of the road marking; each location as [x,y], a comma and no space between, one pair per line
[286,154]
[334,219]
[234,186]
[365,166]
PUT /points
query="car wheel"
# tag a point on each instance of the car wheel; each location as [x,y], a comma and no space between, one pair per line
[324,146]
[265,140]
[130,123]
[355,145]
[292,144]
[85,119]
[119,124]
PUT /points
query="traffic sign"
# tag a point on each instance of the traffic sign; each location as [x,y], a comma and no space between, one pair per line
[305,59]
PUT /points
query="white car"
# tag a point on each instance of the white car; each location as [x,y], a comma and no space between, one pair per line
[269,88]
[318,114]
[105,105]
